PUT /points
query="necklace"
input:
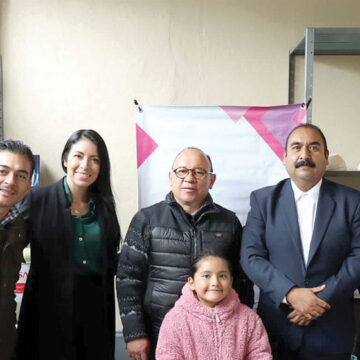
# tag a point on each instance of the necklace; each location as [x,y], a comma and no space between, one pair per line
[79,210]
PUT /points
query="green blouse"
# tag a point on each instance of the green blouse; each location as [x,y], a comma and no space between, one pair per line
[87,245]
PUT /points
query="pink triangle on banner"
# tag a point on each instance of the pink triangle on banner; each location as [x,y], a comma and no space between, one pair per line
[300,117]
[145,145]
[266,121]
[235,112]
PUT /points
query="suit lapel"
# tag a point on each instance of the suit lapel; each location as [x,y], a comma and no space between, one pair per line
[324,212]
[288,213]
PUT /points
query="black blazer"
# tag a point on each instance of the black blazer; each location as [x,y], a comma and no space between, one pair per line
[45,324]
[272,257]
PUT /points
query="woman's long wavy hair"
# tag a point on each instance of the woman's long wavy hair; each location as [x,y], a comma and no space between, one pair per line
[101,188]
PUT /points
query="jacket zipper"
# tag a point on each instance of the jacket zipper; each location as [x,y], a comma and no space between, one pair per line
[217,338]
[193,243]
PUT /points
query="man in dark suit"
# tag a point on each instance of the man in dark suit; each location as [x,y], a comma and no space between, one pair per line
[301,247]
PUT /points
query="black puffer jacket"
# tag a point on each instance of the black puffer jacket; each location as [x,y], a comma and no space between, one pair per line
[155,260]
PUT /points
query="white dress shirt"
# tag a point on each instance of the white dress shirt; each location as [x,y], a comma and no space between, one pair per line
[306,206]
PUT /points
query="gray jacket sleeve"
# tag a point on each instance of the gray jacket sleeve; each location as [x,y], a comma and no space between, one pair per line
[131,278]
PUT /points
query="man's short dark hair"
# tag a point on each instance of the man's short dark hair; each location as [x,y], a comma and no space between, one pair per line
[307,126]
[18,147]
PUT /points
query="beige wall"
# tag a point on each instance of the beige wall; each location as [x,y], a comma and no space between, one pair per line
[74,64]
[336,103]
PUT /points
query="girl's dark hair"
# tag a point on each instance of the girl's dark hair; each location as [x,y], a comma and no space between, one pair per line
[101,188]
[196,262]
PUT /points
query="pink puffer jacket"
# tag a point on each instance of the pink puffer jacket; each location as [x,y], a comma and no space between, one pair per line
[229,331]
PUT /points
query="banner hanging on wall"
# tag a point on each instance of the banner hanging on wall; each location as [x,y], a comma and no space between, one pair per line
[246,145]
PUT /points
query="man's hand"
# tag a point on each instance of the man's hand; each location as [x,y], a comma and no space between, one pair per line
[298,319]
[138,349]
[306,303]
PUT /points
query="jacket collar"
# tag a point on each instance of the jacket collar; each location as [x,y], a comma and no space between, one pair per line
[60,193]
[170,198]
[190,303]
[313,192]
[208,207]
[10,217]
[12,232]
[325,209]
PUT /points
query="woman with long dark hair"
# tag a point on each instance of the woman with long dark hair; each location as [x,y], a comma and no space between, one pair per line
[68,305]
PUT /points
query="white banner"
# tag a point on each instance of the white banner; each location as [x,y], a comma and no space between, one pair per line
[246,145]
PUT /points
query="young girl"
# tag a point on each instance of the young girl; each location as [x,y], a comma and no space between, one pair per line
[209,322]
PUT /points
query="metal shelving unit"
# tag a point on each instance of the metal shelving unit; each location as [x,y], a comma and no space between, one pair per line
[343,173]
[321,41]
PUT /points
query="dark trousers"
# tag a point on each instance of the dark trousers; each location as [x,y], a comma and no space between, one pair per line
[7,336]
[89,323]
[283,354]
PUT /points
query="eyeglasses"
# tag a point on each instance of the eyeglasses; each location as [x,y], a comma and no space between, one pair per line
[183,172]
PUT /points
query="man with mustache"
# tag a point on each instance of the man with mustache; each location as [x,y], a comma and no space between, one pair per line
[161,243]
[16,168]
[301,247]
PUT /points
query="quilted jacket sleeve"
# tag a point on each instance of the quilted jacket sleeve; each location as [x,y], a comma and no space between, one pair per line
[242,284]
[131,278]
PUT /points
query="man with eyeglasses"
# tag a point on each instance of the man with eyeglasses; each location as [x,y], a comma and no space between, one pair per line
[161,243]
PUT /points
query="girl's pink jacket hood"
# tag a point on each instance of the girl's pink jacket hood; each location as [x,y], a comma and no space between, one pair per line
[228,331]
